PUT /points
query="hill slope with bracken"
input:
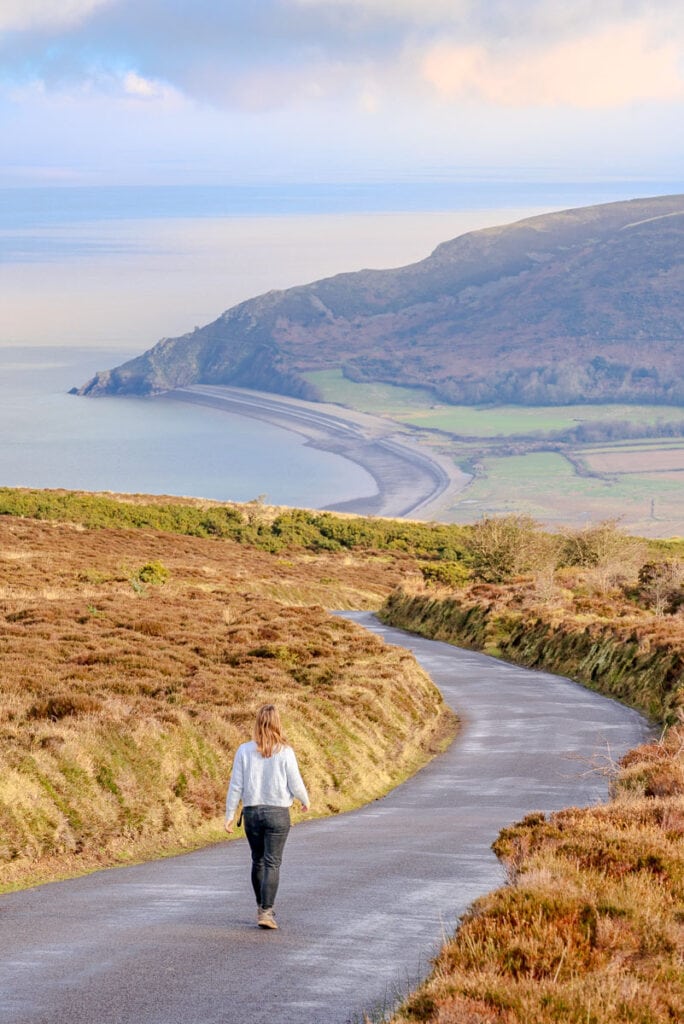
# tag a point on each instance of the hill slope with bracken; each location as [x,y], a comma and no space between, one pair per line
[133,659]
[581,305]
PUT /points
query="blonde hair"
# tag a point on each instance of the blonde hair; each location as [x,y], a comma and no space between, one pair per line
[268,730]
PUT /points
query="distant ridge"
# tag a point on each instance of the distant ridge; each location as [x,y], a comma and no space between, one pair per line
[584,305]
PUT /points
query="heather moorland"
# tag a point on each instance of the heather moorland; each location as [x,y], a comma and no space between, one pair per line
[138,636]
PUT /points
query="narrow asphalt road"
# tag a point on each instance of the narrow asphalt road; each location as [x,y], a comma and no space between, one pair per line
[365,897]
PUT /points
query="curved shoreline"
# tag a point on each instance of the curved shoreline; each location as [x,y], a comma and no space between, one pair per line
[409,481]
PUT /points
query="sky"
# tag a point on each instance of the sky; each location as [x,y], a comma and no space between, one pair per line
[232,91]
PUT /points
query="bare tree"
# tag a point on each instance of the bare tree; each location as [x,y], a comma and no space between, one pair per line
[612,557]
[662,585]
[506,546]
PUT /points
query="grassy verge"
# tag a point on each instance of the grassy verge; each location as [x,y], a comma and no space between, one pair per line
[132,662]
[637,659]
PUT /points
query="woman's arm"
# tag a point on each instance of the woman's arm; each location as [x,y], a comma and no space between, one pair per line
[234,794]
[295,783]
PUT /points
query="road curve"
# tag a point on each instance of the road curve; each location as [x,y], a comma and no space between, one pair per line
[410,481]
[365,897]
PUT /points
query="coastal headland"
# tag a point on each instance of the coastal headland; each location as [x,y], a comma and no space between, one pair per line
[409,481]
[574,307]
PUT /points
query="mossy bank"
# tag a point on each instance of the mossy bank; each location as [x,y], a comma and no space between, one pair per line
[640,662]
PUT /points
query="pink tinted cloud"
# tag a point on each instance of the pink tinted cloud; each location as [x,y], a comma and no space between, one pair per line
[606,69]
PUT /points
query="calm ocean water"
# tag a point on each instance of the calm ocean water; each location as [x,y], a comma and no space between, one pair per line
[53,439]
[89,277]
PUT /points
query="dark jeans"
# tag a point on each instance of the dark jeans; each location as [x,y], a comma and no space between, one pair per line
[266,829]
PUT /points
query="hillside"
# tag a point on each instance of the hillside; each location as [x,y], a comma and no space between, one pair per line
[139,634]
[132,662]
[585,305]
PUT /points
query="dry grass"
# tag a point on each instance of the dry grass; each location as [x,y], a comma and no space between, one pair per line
[590,929]
[651,461]
[122,701]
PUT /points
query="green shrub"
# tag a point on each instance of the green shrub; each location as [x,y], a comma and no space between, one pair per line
[446,574]
[317,531]
[152,572]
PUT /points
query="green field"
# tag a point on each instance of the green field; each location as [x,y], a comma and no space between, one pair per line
[639,445]
[419,407]
[545,485]
[507,420]
[379,399]
[542,484]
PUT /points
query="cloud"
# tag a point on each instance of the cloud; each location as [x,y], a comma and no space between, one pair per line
[19,15]
[369,55]
[497,19]
[610,68]
[142,88]
[415,11]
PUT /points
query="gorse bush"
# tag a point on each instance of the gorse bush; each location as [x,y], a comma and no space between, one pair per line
[258,526]
[446,574]
[152,572]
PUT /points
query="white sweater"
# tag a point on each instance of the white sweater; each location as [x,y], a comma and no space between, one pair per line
[274,781]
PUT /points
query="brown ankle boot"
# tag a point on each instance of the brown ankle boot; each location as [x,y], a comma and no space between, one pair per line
[266,918]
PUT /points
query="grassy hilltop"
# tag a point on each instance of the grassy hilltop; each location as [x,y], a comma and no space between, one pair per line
[138,635]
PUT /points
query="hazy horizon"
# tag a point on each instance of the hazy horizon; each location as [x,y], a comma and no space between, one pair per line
[122,268]
[143,91]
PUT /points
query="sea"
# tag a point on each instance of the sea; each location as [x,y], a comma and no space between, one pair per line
[90,277]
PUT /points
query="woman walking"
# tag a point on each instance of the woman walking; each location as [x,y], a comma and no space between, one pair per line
[266,778]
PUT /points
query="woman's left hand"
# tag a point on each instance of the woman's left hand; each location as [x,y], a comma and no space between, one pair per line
[229,826]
